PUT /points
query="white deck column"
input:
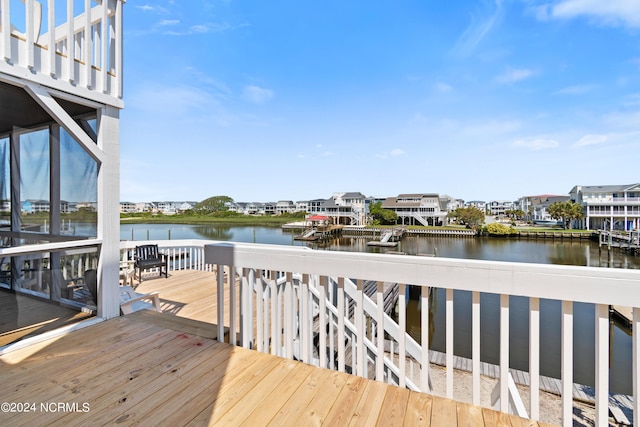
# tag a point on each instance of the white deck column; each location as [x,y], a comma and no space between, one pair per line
[108,215]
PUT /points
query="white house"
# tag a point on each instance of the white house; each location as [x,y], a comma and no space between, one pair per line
[347,208]
[608,207]
[418,208]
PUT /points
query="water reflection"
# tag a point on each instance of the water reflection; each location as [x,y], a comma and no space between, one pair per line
[214,232]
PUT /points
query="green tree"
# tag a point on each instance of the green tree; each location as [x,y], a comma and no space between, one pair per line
[471,216]
[213,204]
[565,211]
[381,215]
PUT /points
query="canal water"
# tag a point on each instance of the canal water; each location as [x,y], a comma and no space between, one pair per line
[565,252]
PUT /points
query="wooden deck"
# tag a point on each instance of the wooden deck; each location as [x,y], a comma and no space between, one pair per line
[155,369]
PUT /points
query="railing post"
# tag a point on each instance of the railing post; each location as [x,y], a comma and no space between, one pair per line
[567,363]
[288,316]
[220,302]
[232,306]
[380,332]
[534,357]
[341,317]
[360,326]
[424,335]
[475,344]
[635,362]
[6,29]
[602,364]
[402,342]
[449,342]
[306,332]
[322,321]
[504,353]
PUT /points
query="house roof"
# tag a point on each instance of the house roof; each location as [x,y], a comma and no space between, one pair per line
[605,188]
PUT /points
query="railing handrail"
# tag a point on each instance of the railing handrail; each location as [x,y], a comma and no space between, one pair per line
[558,282]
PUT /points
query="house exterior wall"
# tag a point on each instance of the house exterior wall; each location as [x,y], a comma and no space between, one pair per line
[608,207]
[72,71]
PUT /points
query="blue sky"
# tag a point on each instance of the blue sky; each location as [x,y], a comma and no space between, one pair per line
[481,100]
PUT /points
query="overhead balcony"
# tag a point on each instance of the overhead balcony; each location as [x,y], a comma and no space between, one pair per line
[64,45]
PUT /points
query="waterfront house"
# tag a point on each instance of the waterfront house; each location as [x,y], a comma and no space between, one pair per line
[535,207]
[128,207]
[345,208]
[480,204]
[608,207]
[285,207]
[499,207]
[418,209]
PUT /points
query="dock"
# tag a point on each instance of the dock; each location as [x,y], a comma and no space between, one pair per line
[319,233]
[389,237]
[629,241]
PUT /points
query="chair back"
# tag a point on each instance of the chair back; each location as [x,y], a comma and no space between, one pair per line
[91,280]
[147,252]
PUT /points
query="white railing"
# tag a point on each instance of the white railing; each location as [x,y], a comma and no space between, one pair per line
[84,52]
[309,305]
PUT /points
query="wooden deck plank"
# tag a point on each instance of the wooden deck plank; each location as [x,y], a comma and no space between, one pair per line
[368,408]
[126,403]
[269,384]
[469,415]
[263,413]
[418,409]
[443,412]
[113,393]
[495,418]
[301,408]
[394,406]
[234,389]
[196,399]
[76,377]
[346,402]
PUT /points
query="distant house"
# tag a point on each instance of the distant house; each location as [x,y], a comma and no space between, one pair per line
[33,206]
[285,207]
[535,207]
[608,207]
[499,207]
[418,209]
[269,208]
[128,207]
[482,205]
[348,208]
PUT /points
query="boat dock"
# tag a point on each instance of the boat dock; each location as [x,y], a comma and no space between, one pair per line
[319,233]
[626,240]
[389,237]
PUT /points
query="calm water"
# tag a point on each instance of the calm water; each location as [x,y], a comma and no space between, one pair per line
[582,253]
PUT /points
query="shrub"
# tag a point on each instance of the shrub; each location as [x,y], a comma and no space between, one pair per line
[497,229]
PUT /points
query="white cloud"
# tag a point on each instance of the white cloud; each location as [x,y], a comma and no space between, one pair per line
[590,140]
[603,12]
[443,87]
[536,143]
[624,119]
[513,75]
[256,94]
[481,24]
[393,153]
[167,22]
[575,90]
